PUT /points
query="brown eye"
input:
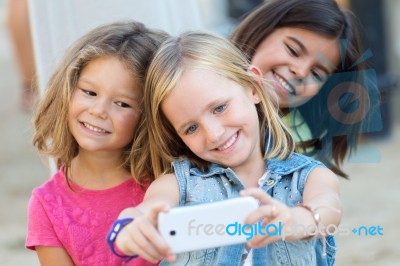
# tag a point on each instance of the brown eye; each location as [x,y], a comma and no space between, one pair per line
[87,92]
[122,104]
[318,76]
[292,51]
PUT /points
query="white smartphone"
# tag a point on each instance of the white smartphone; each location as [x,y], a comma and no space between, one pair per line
[208,225]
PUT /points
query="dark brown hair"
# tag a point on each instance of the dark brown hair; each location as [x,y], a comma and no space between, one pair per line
[332,140]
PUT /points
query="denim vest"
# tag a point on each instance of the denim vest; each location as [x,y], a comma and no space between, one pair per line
[285,183]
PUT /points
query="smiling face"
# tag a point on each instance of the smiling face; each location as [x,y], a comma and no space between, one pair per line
[215,117]
[104,108]
[297,63]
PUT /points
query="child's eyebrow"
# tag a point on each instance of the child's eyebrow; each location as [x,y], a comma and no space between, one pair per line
[299,43]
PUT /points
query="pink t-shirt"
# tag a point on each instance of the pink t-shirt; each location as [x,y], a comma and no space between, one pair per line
[79,220]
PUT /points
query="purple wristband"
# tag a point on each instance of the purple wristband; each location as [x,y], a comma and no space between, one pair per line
[112,236]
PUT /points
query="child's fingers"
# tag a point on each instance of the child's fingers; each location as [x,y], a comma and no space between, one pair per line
[145,249]
[268,212]
[142,237]
[265,212]
[257,241]
[158,244]
[136,241]
[267,209]
[270,230]
[152,234]
[259,194]
[155,210]
[170,257]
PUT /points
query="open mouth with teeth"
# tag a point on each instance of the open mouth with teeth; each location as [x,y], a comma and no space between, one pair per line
[229,143]
[285,84]
[94,128]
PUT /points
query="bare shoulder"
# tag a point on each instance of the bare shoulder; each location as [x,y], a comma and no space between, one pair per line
[322,177]
[164,188]
[163,182]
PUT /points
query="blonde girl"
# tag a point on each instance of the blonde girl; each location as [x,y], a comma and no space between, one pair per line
[207,113]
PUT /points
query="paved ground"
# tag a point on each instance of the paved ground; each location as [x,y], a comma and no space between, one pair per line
[20,167]
[370,199]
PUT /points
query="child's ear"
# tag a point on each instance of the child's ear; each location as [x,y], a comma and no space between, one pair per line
[255,70]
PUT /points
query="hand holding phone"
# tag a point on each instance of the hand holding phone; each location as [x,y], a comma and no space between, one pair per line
[206,225]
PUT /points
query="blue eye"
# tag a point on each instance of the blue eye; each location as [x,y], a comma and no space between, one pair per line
[87,92]
[191,129]
[220,108]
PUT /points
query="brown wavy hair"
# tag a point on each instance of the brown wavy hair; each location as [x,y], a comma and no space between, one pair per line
[134,45]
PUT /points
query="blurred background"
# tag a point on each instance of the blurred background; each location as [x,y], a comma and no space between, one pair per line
[371,197]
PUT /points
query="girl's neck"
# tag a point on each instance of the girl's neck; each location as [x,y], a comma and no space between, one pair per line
[251,172]
[97,172]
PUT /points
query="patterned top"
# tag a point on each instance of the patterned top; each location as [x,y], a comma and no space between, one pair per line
[78,220]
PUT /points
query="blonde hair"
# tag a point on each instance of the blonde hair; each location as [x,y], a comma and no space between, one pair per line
[202,50]
[133,44]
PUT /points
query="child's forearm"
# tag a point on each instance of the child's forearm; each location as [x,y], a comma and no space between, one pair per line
[323,213]
[131,212]
[321,202]
[139,236]
[321,208]
[329,208]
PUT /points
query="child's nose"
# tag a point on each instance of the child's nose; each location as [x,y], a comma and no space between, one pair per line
[99,109]
[214,131]
[299,71]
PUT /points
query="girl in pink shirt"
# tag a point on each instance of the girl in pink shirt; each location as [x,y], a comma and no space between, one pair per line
[88,120]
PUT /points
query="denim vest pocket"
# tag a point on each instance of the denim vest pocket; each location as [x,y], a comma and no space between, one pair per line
[195,258]
[205,257]
[297,253]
